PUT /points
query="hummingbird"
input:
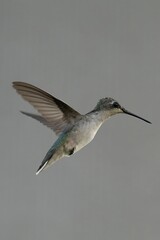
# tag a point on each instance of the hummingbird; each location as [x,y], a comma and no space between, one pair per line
[74,130]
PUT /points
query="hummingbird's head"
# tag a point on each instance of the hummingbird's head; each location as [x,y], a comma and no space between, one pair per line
[113,107]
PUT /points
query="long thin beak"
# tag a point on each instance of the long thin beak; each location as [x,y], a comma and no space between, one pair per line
[132,114]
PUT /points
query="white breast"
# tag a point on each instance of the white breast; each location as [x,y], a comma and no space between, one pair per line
[85,133]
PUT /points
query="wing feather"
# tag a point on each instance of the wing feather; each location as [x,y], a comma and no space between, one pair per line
[54,113]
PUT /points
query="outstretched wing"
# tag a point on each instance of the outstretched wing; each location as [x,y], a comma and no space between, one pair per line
[40,119]
[55,114]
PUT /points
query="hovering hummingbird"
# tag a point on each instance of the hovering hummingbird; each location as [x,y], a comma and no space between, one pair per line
[74,130]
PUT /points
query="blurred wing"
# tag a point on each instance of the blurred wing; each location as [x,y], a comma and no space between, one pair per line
[55,114]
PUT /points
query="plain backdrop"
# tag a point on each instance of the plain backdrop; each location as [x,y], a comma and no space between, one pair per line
[81,51]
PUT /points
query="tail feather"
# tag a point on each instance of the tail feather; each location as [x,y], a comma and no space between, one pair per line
[51,156]
[41,167]
[55,153]
[46,161]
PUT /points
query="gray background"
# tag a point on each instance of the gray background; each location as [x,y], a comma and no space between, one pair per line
[81,50]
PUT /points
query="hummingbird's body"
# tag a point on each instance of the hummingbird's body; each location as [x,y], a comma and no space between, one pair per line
[75,130]
[73,139]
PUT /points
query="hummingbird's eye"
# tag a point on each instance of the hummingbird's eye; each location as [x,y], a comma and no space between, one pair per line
[116,105]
